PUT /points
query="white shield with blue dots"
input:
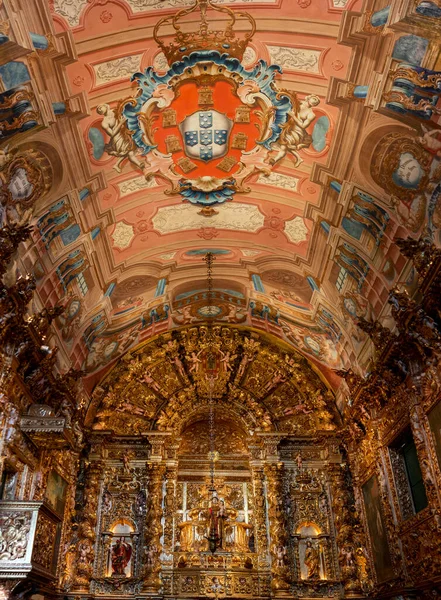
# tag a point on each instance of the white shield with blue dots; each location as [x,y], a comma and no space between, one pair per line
[206,134]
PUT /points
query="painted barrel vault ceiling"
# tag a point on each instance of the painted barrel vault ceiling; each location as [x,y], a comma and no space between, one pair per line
[287,245]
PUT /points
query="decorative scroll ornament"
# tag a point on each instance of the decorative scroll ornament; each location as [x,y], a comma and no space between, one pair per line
[208,124]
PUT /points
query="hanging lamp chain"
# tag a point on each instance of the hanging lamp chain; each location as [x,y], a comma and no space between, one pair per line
[209,259]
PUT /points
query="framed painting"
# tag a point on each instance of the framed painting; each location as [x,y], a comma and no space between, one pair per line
[377,529]
[56,492]
[434,417]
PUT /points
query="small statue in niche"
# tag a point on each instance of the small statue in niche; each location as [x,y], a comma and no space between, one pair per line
[107,502]
[312,561]
[120,556]
[299,461]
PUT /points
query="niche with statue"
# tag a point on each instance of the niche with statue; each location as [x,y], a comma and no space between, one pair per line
[120,543]
[311,545]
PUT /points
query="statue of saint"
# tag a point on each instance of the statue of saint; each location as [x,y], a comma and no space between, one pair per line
[120,557]
[312,561]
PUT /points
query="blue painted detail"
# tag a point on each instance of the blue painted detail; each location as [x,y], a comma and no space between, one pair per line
[208,198]
[95,232]
[191,138]
[206,138]
[410,49]
[319,132]
[110,290]
[325,226]
[335,185]
[97,139]
[352,227]
[205,120]
[160,287]
[17,107]
[154,317]
[312,283]
[59,108]
[257,283]
[3,38]
[13,74]
[361,91]
[84,193]
[429,91]
[380,17]
[355,266]
[97,324]
[220,136]
[203,251]
[70,234]
[429,9]
[40,42]
[58,221]
[206,153]
[71,267]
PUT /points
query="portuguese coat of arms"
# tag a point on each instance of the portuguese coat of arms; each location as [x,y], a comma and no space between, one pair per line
[208,124]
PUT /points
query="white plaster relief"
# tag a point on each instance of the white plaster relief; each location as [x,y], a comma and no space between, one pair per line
[296,230]
[250,253]
[160,63]
[233,216]
[279,180]
[295,59]
[249,57]
[131,186]
[119,68]
[167,255]
[70,10]
[154,5]
[122,235]
[339,3]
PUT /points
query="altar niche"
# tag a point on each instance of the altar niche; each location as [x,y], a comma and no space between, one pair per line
[120,550]
[214,517]
[310,544]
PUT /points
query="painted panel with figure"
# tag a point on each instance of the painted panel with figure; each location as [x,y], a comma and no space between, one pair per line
[377,530]
[56,492]
[435,426]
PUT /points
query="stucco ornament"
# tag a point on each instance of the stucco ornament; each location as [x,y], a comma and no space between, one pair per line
[122,235]
[296,230]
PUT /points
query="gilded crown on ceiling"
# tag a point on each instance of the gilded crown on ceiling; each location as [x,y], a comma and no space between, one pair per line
[205,38]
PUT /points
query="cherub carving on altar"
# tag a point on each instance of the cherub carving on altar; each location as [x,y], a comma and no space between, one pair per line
[281,555]
[121,144]
[294,134]
[279,377]
[194,360]
[227,359]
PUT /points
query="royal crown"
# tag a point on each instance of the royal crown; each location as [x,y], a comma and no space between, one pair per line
[205,38]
